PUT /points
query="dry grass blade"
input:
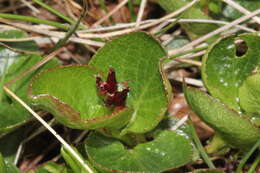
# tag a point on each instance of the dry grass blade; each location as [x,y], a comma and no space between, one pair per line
[188,61]
[215,32]
[128,25]
[241,9]
[140,13]
[51,33]
[121,4]
[29,5]
[163,19]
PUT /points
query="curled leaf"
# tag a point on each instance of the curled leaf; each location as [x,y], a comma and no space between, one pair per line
[237,131]
[70,94]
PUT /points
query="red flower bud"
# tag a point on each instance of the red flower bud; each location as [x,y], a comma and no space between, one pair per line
[109,90]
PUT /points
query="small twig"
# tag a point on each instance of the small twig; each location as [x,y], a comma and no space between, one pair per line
[189,81]
[188,61]
[121,4]
[29,5]
[180,122]
[51,33]
[175,13]
[128,25]
[140,13]
[241,9]
[215,32]
[58,137]
[200,53]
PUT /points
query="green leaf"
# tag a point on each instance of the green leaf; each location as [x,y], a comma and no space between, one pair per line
[7,167]
[234,129]
[10,143]
[2,164]
[70,94]
[13,114]
[249,94]
[223,72]
[233,13]
[135,58]
[169,150]
[177,42]
[21,45]
[194,30]
[50,167]
[24,63]
[74,163]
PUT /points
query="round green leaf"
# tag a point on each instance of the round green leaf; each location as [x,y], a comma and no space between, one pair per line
[169,150]
[135,58]
[223,72]
[234,129]
[70,94]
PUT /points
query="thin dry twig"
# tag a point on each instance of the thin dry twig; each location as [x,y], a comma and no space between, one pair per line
[140,13]
[29,5]
[188,61]
[215,32]
[116,33]
[241,9]
[121,4]
[180,122]
[190,81]
[51,33]
[128,25]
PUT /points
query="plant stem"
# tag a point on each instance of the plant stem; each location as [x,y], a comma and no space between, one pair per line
[52,10]
[255,164]
[246,157]
[199,146]
[132,11]
[71,31]
[34,20]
